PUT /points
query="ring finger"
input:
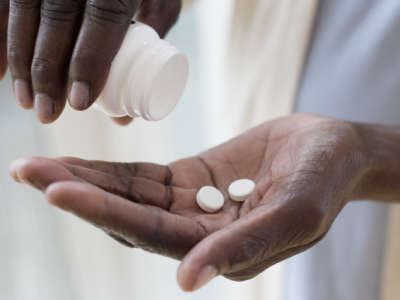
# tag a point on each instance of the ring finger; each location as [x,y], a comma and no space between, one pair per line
[22,28]
[3,36]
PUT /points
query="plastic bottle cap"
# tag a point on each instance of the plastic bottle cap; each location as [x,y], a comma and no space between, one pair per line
[147,77]
[168,86]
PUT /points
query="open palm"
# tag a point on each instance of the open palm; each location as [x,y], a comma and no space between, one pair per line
[303,166]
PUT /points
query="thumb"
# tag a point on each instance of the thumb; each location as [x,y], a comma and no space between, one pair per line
[230,250]
[160,14]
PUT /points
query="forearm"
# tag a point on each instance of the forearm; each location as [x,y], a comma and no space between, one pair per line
[381,158]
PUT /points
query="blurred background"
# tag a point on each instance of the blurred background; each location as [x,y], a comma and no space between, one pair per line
[47,254]
[241,74]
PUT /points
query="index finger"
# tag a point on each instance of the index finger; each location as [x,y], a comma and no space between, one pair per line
[160,14]
[150,228]
[103,29]
[3,36]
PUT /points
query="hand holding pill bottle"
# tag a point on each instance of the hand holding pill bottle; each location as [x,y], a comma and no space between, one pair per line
[62,50]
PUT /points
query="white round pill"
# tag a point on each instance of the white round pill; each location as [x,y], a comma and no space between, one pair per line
[210,199]
[240,189]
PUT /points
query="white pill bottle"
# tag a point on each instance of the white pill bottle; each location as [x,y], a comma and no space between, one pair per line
[147,77]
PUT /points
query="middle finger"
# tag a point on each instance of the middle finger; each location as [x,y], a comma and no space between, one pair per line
[59,26]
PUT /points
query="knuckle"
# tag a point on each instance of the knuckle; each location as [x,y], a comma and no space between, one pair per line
[160,242]
[130,190]
[126,168]
[4,5]
[60,10]
[168,197]
[110,11]
[18,63]
[88,58]
[16,5]
[42,69]
[106,215]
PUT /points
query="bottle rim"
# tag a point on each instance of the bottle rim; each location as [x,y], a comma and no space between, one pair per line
[145,85]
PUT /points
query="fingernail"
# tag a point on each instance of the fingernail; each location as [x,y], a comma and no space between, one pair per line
[205,275]
[45,108]
[23,93]
[79,96]
[13,170]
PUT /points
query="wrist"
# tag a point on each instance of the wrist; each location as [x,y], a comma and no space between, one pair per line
[380,163]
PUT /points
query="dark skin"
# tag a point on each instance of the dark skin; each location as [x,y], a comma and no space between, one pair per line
[47,69]
[306,169]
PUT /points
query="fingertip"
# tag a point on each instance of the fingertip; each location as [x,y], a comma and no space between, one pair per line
[23,93]
[72,196]
[62,194]
[3,71]
[17,166]
[191,278]
[79,97]
[39,172]
[45,108]
[124,121]
[184,282]
[3,59]
[13,169]
[54,193]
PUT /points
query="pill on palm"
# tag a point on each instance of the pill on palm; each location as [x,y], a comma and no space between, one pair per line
[210,199]
[240,189]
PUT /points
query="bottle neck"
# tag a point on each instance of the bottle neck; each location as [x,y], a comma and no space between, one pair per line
[114,93]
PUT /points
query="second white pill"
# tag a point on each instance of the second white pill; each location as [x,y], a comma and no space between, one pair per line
[240,189]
